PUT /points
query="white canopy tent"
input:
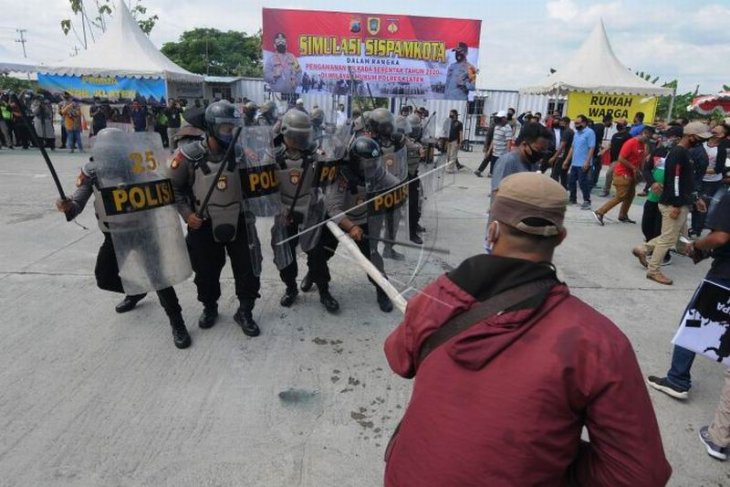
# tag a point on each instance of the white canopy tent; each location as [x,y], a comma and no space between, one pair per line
[123,50]
[10,62]
[595,68]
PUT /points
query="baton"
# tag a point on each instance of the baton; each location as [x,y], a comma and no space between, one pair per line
[372,271]
[435,250]
[36,141]
[224,163]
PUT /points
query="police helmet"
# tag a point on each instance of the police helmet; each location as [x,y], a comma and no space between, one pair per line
[416,126]
[380,122]
[402,125]
[250,108]
[268,107]
[296,127]
[366,154]
[221,118]
[317,117]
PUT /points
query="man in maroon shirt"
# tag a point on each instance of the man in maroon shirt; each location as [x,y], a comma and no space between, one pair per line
[504,401]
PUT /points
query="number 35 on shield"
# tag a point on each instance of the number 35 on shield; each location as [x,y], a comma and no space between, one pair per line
[142,163]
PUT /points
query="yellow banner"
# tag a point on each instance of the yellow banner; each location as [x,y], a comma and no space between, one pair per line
[597,105]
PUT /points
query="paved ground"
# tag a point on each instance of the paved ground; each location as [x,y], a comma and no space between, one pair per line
[92,398]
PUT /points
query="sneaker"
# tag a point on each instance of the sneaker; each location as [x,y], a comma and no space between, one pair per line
[626,220]
[667,260]
[640,254]
[641,194]
[714,450]
[478,174]
[604,194]
[662,384]
[598,217]
[659,277]
[586,205]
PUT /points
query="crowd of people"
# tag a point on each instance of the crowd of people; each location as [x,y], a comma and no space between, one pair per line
[682,169]
[681,166]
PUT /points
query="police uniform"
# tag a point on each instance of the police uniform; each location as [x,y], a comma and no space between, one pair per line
[193,169]
[301,169]
[345,199]
[390,145]
[459,80]
[283,72]
[106,270]
[413,151]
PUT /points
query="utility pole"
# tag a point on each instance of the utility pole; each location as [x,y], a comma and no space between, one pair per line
[22,40]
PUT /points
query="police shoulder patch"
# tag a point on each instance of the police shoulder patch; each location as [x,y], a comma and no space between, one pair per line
[177,159]
[81,179]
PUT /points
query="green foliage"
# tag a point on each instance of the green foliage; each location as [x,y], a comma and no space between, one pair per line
[15,84]
[103,9]
[217,53]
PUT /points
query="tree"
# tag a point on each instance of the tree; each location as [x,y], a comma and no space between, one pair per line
[213,52]
[15,84]
[97,19]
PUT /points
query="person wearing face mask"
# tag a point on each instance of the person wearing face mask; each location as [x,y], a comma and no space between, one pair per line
[461,75]
[502,330]
[579,161]
[678,195]
[632,156]
[715,151]
[530,147]
[225,225]
[651,218]
[282,70]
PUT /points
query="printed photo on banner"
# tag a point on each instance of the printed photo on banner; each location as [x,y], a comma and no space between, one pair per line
[361,54]
[705,326]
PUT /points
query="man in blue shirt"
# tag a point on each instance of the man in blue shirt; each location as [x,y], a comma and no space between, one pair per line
[579,160]
[638,124]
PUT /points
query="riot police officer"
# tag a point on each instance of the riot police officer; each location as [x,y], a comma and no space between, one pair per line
[414,149]
[317,117]
[381,127]
[267,114]
[249,113]
[362,174]
[225,226]
[302,206]
[107,266]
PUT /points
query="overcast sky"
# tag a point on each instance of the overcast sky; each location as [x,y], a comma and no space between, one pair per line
[684,39]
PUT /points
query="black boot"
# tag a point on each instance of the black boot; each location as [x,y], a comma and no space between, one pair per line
[180,335]
[306,284]
[386,305]
[244,318]
[328,301]
[209,316]
[390,253]
[290,295]
[416,239]
[129,302]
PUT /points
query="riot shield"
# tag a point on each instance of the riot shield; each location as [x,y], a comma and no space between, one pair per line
[440,176]
[138,200]
[388,196]
[258,170]
[301,202]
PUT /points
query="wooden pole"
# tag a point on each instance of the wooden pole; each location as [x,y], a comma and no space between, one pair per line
[368,266]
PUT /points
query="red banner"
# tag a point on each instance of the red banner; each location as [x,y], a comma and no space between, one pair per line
[347,53]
